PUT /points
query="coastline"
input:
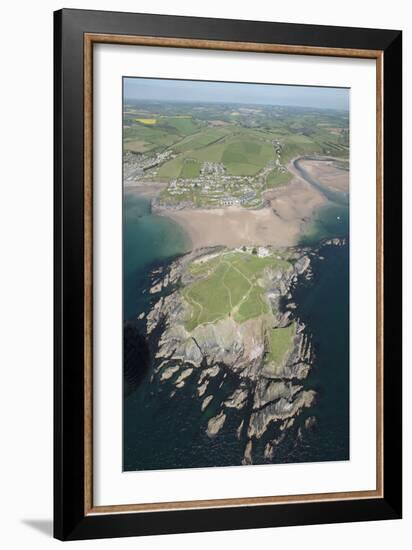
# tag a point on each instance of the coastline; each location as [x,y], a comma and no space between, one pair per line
[290,210]
[148,190]
[234,227]
[221,408]
[324,171]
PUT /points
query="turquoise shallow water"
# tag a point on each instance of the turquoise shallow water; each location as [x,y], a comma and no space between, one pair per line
[331,220]
[163,432]
[147,239]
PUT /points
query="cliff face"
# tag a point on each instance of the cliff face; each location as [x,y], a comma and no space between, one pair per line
[269,355]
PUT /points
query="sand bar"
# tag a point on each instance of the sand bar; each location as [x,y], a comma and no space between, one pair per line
[327,173]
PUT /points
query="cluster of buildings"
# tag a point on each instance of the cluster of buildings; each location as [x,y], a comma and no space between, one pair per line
[278,149]
[135,165]
[244,199]
[213,186]
[212,169]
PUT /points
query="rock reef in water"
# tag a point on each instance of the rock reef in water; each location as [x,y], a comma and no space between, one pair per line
[206,402]
[215,424]
[238,399]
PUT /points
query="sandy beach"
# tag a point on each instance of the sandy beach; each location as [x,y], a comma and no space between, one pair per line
[290,208]
[148,190]
[234,227]
[279,224]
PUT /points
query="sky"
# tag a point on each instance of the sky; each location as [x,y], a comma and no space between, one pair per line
[227,92]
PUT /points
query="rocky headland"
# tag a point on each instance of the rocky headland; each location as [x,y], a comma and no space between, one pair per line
[267,355]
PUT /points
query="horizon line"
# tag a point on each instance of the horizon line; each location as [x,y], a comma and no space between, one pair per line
[149,100]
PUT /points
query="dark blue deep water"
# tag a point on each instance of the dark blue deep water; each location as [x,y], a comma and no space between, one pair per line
[161,431]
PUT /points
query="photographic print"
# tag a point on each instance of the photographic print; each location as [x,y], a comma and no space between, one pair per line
[235,274]
[227,317]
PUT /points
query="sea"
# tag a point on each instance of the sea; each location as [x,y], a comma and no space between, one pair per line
[161,431]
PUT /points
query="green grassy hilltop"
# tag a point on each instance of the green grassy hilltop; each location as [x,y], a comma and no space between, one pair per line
[229,284]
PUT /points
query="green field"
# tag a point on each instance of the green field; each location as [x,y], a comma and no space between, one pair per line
[179,167]
[141,136]
[240,156]
[183,126]
[295,145]
[275,178]
[198,140]
[228,285]
[220,153]
[171,169]
[280,342]
[246,157]
[190,169]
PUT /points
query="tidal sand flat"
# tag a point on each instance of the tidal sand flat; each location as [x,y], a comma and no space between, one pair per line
[331,173]
[295,204]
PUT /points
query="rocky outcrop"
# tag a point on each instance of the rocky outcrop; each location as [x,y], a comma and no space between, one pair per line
[201,390]
[239,429]
[206,402]
[247,457]
[208,373]
[185,374]
[268,391]
[311,423]
[238,399]
[270,447]
[215,424]
[168,373]
[280,409]
[269,394]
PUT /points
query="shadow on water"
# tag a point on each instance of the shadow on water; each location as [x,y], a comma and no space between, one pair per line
[136,358]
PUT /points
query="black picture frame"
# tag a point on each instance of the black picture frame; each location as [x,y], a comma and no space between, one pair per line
[71,522]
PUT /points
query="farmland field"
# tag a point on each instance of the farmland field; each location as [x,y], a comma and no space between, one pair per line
[214,155]
[190,169]
[275,178]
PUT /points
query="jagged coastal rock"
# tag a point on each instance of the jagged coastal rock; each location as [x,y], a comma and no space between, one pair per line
[215,424]
[206,402]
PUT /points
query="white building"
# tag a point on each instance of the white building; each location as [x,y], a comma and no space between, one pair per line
[263,252]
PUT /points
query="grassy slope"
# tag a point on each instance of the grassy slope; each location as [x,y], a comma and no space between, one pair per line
[141,137]
[275,178]
[280,342]
[243,151]
[190,169]
[229,286]
[238,152]
[246,157]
